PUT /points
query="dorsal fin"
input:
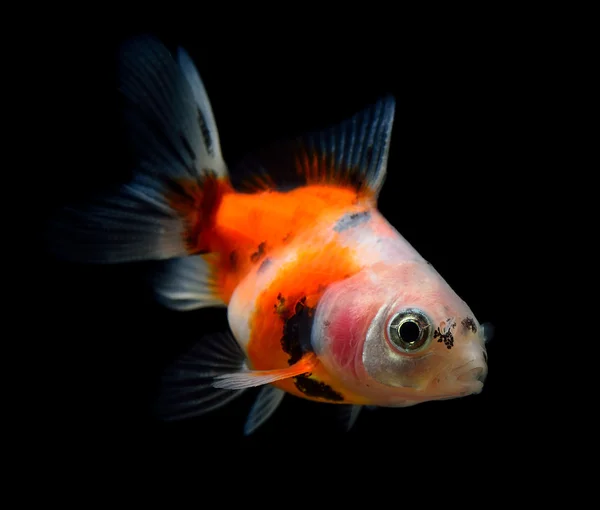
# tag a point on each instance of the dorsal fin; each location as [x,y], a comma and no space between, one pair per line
[352,153]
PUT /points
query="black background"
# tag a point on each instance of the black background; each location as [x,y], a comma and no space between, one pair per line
[458,155]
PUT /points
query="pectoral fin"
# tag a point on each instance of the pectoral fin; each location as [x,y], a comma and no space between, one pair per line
[249,378]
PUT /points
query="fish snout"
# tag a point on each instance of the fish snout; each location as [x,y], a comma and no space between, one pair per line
[473,376]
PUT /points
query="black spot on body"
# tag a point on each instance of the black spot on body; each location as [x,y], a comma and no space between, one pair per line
[265,263]
[296,331]
[351,220]
[447,338]
[469,324]
[259,253]
[313,388]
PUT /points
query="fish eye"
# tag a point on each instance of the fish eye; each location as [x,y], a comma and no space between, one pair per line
[410,330]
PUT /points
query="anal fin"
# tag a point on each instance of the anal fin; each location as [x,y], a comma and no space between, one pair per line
[187,387]
[267,401]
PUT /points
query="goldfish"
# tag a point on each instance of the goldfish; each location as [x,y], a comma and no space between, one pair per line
[325,299]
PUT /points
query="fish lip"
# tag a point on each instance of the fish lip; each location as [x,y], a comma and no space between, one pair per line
[461,382]
[462,390]
[477,373]
[473,379]
[475,388]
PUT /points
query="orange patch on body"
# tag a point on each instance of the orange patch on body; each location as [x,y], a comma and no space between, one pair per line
[303,280]
[248,227]
[241,230]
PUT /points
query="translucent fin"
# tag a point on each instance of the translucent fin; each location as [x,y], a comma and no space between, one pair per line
[353,153]
[186,284]
[187,388]
[250,378]
[488,331]
[266,403]
[348,415]
[206,117]
[167,207]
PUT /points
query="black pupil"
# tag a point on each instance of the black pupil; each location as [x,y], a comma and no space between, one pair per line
[409,332]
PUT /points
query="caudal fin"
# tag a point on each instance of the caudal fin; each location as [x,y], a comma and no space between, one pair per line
[166,210]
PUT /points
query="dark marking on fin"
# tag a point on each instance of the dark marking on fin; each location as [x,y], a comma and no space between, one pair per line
[469,323]
[259,253]
[369,156]
[351,220]
[314,388]
[205,133]
[186,145]
[264,264]
[351,154]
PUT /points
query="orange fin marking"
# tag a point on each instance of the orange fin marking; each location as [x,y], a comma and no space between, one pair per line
[198,203]
[241,380]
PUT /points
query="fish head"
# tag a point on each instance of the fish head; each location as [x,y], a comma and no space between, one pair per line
[396,335]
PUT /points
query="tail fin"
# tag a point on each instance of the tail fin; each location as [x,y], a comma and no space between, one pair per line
[166,209]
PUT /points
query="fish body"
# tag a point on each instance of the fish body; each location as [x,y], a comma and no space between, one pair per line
[325,299]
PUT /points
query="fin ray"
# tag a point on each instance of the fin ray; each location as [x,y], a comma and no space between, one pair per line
[251,378]
[186,283]
[353,153]
[187,385]
[177,182]
[266,403]
[348,415]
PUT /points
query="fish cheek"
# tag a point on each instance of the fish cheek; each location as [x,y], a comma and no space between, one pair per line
[339,344]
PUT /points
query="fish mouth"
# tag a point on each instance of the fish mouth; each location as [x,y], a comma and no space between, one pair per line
[472,377]
[477,374]
[467,379]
